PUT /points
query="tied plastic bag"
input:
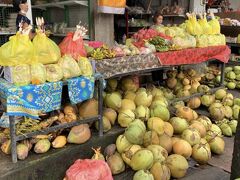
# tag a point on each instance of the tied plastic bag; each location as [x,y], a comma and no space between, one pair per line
[69,67]
[74,48]
[18,50]
[192,25]
[38,72]
[215,25]
[21,75]
[89,169]
[85,66]
[54,72]
[207,29]
[45,50]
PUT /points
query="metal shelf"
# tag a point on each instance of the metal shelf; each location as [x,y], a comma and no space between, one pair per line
[7,33]
[174,15]
[6,5]
[60,4]
[63,35]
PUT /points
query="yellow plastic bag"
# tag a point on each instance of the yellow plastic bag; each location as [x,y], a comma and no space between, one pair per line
[45,50]
[207,29]
[85,66]
[192,25]
[112,7]
[18,50]
[214,23]
[38,72]
[21,75]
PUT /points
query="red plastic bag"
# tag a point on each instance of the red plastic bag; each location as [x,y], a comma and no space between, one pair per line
[89,169]
[74,48]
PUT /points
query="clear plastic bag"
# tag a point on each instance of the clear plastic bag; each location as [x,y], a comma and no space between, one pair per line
[21,75]
[54,72]
[85,66]
[69,67]
[38,72]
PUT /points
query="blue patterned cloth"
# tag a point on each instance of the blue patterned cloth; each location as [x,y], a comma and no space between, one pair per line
[30,100]
[80,89]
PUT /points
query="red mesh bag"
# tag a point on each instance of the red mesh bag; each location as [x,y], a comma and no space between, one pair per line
[89,169]
[74,48]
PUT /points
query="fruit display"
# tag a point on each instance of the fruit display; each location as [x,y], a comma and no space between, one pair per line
[155,137]
[102,53]
[232,77]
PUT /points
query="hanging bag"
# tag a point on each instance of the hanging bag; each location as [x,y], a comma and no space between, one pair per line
[111,7]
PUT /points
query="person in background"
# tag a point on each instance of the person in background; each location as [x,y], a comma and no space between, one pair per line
[22,7]
[157,20]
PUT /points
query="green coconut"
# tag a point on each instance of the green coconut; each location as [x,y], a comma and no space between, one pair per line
[178,165]
[125,117]
[236,69]
[233,125]
[142,112]
[159,153]
[216,129]
[231,85]
[161,112]
[129,95]
[236,110]
[217,111]
[142,160]
[122,143]
[192,136]
[156,124]
[143,98]
[217,145]
[160,171]
[228,112]
[106,124]
[179,124]
[135,133]
[159,101]
[226,129]
[203,89]
[220,94]
[150,137]
[128,84]
[113,100]
[236,101]
[201,153]
[143,175]
[231,75]
[42,146]
[207,99]
[205,121]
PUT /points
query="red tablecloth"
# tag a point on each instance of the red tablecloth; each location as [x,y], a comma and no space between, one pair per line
[194,55]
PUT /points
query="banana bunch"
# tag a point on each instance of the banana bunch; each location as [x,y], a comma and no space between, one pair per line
[97,54]
[108,53]
[102,53]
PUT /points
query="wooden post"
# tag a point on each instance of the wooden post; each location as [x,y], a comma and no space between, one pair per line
[235,172]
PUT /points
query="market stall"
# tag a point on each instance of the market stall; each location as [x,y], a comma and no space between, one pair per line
[177,120]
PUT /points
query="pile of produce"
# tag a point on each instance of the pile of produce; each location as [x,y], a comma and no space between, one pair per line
[160,44]
[156,143]
[231,80]
[232,77]
[58,139]
[37,73]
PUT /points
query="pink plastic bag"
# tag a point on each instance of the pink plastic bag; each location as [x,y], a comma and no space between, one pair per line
[74,48]
[89,169]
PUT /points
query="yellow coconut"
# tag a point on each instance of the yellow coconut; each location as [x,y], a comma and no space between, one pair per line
[166,142]
[194,103]
[168,129]
[183,148]
[185,112]
[110,114]
[128,104]
[200,127]
[156,124]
